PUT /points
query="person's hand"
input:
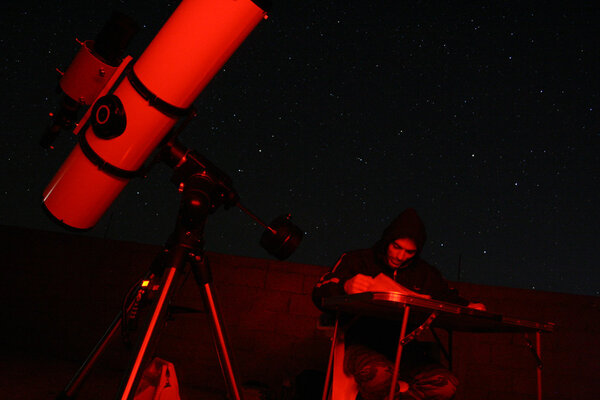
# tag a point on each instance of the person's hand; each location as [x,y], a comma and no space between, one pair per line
[477,306]
[358,283]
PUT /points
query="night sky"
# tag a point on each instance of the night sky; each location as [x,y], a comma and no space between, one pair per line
[485,118]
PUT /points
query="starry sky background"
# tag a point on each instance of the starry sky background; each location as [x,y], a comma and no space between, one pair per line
[483,117]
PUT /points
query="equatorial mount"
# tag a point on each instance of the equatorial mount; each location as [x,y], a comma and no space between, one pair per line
[214,188]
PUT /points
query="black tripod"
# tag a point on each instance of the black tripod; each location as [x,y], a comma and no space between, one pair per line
[204,189]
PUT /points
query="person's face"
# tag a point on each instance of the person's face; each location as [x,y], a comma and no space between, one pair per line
[400,251]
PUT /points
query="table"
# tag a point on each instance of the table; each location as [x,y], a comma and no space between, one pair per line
[430,314]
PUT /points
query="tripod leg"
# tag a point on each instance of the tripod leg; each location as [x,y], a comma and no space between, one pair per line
[203,277]
[152,331]
[71,389]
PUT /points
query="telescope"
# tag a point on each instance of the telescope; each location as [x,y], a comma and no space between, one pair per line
[133,114]
[134,108]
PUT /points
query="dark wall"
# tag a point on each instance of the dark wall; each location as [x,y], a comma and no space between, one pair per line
[60,292]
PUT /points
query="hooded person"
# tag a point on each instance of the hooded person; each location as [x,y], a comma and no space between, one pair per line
[408,268]
[370,342]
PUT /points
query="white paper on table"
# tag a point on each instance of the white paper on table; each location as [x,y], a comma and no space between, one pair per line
[383,283]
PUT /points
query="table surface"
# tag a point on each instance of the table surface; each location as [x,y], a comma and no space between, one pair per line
[450,316]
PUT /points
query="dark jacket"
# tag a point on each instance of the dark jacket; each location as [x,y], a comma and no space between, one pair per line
[418,276]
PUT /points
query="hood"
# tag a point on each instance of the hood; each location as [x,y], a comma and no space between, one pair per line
[406,225]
